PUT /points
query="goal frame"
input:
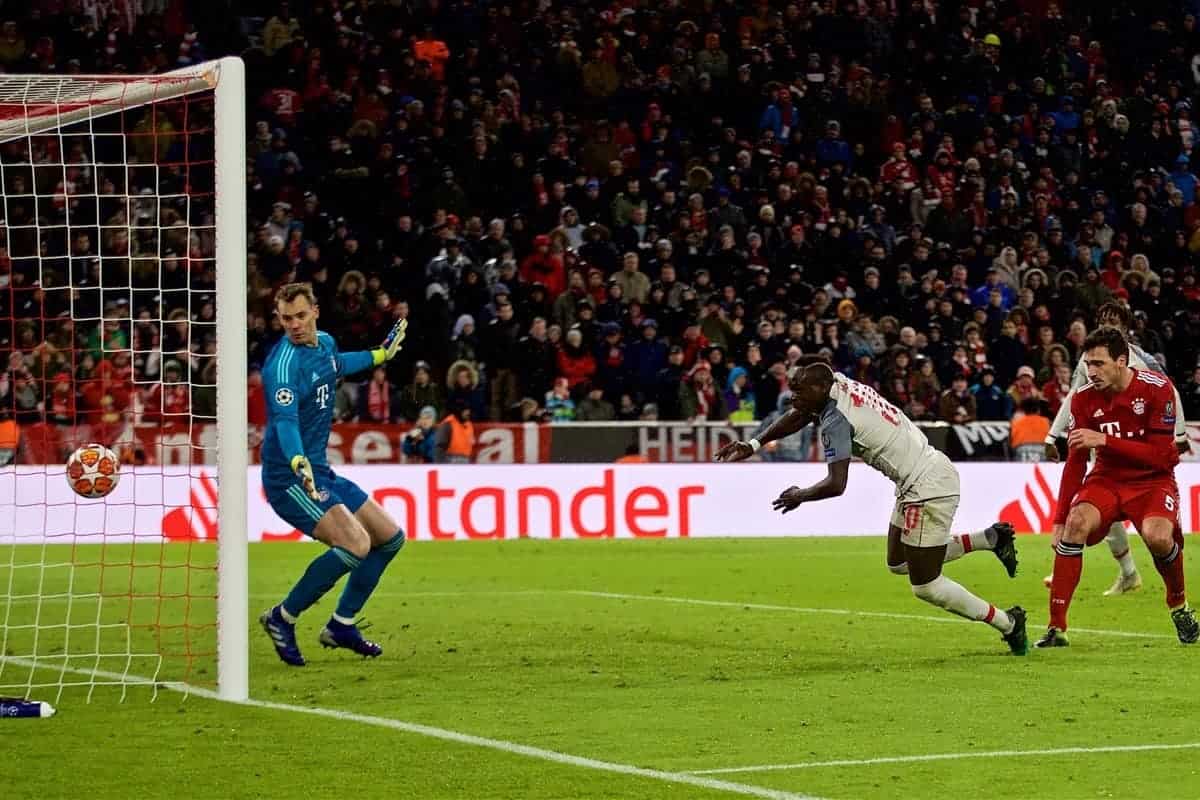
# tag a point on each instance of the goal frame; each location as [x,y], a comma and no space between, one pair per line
[38,104]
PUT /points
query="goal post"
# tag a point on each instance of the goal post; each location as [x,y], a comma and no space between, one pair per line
[233,647]
[123,321]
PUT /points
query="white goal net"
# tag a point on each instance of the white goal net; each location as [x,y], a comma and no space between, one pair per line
[122,322]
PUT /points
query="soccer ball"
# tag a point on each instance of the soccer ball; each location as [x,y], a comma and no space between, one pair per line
[93,471]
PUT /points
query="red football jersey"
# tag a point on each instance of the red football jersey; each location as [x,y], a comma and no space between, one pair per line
[1142,415]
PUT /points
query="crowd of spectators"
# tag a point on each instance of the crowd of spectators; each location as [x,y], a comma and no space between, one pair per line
[596,211]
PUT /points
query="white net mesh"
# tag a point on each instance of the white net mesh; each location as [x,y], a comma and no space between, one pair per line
[108,334]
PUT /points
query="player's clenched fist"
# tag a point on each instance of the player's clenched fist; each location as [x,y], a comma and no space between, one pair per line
[734,451]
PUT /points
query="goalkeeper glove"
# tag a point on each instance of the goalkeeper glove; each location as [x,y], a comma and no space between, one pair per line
[391,343]
[304,472]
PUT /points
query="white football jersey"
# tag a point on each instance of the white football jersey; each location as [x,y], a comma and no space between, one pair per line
[858,421]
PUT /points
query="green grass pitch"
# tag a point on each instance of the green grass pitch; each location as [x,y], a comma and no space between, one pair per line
[531,643]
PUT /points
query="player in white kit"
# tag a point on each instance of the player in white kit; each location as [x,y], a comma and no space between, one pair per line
[855,420]
[1114,315]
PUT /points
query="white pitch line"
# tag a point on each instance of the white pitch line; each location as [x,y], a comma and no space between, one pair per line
[867,762]
[688,779]
[841,612]
[83,598]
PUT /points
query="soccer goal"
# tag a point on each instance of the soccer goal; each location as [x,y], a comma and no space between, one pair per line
[122,322]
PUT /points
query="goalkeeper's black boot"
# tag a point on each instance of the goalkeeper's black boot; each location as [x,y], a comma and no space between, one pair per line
[339,634]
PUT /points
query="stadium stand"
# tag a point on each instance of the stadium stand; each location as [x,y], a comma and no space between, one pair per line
[592,207]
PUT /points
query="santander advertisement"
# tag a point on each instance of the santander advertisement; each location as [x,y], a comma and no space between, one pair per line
[577,501]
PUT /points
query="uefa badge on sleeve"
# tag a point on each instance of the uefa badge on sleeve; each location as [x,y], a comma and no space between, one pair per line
[284,396]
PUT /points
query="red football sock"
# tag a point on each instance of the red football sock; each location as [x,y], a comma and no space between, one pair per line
[1068,564]
[1170,567]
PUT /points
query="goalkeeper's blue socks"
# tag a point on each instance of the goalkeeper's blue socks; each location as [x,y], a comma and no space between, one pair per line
[365,578]
[319,578]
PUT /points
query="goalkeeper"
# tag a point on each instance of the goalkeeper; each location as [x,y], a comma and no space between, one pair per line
[300,379]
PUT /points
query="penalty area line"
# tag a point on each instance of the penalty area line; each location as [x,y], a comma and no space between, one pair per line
[867,762]
[444,734]
[840,612]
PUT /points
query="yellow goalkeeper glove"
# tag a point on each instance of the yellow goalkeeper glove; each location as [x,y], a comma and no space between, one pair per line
[304,472]
[391,343]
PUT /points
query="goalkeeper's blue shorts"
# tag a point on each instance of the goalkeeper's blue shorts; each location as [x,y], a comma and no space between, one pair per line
[294,506]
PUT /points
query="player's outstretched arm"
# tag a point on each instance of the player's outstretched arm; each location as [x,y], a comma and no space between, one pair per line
[361,360]
[792,421]
[833,485]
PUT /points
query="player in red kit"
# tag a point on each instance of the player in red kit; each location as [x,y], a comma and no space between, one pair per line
[1128,416]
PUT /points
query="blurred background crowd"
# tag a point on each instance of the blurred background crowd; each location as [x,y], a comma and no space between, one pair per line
[618,210]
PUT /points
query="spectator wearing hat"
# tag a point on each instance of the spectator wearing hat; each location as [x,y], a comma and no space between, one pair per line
[646,357]
[575,361]
[957,403]
[699,398]
[739,396]
[567,304]
[535,360]
[455,437]
[991,401]
[593,407]
[463,385]
[419,442]
[558,403]
[545,267]
[1024,388]
[611,370]
[423,391]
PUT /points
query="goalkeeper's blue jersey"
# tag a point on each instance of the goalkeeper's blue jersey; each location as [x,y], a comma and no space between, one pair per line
[300,382]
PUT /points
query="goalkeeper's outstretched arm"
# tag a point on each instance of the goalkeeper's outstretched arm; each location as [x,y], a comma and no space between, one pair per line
[360,360]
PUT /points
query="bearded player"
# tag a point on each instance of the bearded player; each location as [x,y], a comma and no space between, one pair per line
[300,379]
[1114,315]
[1128,415]
[853,417]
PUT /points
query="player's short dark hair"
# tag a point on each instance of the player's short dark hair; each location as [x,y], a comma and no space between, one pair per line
[1111,339]
[290,291]
[818,374]
[1114,309]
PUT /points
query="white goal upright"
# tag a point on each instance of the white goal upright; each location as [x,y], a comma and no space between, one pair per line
[122,322]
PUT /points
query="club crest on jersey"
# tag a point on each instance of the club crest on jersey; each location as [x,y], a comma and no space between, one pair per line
[1138,405]
[284,396]
[323,494]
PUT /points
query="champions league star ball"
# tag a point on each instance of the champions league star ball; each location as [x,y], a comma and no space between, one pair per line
[93,471]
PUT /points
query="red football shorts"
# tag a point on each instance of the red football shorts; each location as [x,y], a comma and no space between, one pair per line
[1134,502]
